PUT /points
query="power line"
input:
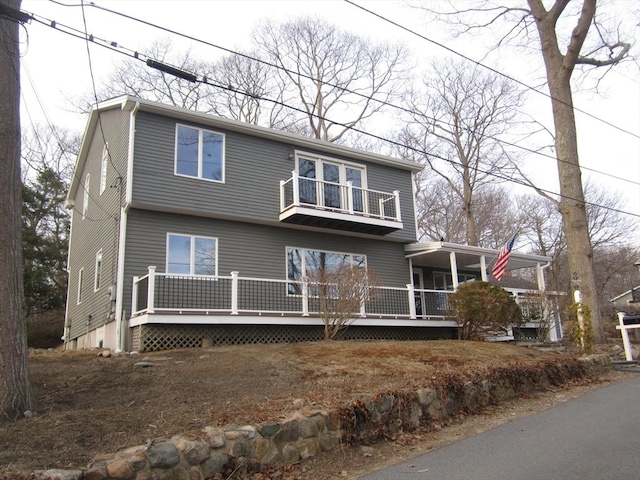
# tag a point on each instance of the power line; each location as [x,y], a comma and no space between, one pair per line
[137,56]
[480,64]
[181,73]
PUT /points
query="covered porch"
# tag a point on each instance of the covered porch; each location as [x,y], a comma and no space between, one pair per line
[438,268]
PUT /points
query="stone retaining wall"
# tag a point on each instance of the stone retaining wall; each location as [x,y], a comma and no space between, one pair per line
[311,432]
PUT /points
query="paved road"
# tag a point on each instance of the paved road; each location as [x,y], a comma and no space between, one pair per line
[587,438]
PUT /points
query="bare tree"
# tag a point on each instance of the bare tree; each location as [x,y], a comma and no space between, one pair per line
[15,394]
[441,215]
[460,121]
[340,293]
[134,77]
[248,92]
[592,43]
[337,79]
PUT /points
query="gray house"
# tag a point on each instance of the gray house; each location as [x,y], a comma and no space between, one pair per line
[187,226]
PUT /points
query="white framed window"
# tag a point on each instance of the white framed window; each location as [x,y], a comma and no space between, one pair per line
[199,153]
[80,285]
[85,199]
[444,280]
[303,262]
[321,179]
[192,255]
[98,272]
[103,168]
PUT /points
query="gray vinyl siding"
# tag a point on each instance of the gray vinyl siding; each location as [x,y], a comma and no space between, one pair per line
[99,229]
[252,250]
[254,168]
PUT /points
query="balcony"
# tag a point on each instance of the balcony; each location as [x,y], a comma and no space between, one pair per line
[308,201]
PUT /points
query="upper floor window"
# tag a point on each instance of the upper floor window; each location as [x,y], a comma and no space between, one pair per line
[103,169]
[191,255]
[85,199]
[98,273]
[199,153]
[80,285]
[322,181]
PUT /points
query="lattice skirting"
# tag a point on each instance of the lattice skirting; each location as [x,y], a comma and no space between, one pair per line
[167,337]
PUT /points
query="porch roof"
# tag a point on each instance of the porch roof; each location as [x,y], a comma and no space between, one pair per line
[437,254]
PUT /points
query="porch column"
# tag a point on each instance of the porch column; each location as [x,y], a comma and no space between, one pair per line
[349,198]
[540,276]
[151,290]
[454,269]
[134,296]
[483,268]
[305,297]
[396,195]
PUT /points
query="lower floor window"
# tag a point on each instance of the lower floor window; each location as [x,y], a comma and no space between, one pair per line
[303,263]
[191,255]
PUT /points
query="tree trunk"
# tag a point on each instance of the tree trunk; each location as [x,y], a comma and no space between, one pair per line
[572,206]
[15,397]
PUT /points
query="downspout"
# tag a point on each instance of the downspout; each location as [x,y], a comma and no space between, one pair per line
[120,331]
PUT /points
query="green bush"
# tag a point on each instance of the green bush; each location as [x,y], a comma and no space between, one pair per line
[481,308]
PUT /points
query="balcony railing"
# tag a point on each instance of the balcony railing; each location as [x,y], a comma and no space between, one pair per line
[235,295]
[320,198]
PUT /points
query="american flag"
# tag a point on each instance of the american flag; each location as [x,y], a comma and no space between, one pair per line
[503,258]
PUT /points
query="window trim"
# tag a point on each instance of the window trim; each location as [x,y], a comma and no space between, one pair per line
[85,199]
[98,271]
[191,254]
[104,167]
[201,132]
[80,285]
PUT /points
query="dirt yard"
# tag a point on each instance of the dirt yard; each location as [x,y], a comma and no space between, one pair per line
[85,404]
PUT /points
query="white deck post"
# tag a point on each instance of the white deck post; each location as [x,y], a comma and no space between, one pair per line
[234,293]
[625,337]
[296,187]
[412,301]
[396,194]
[282,196]
[151,290]
[134,296]
[305,298]
[350,197]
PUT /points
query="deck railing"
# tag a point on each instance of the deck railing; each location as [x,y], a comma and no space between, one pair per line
[339,197]
[236,295]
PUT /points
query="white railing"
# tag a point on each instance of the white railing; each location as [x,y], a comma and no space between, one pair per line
[235,295]
[339,197]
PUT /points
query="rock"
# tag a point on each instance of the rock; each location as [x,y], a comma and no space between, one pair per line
[267,430]
[144,364]
[57,474]
[105,353]
[194,451]
[215,464]
[215,436]
[120,470]
[298,403]
[163,455]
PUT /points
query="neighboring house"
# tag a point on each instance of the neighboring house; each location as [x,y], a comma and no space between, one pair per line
[187,226]
[627,300]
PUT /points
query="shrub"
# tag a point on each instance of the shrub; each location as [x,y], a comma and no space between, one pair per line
[480,308]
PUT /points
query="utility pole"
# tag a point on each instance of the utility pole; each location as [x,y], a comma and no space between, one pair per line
[15,394]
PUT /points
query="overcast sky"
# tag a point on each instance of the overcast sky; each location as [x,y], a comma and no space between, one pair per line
[55,66]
